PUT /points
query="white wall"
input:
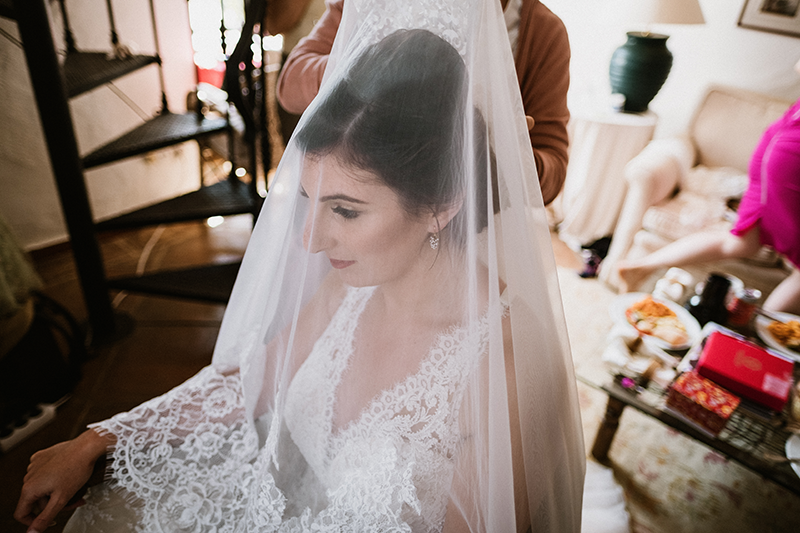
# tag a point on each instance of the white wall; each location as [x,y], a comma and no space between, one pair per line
[717,52]
[28,197]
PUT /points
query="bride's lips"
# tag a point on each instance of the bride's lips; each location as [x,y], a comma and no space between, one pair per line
[335,263]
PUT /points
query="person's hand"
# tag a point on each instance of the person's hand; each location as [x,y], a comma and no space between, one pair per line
[55,475]
[530,121]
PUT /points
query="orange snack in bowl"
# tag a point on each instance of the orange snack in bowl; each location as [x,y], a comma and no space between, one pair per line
[788,333]
[650,317]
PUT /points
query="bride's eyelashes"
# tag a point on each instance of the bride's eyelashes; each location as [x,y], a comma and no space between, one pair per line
[338,209]
[344,212]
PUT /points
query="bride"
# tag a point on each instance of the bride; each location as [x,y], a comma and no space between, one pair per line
[393,356]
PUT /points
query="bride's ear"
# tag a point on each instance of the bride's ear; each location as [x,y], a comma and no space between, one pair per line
[441,218]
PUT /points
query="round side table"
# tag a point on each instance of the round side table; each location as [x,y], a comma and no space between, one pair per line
[601,144]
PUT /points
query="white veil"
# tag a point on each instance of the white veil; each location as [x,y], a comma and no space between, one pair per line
[278,276]
[396,325]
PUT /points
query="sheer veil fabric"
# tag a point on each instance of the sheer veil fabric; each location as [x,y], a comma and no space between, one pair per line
[394,355]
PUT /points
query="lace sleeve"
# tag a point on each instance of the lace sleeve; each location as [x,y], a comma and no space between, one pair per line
[200,422]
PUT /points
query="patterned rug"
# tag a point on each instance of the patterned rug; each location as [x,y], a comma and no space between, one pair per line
[671,482]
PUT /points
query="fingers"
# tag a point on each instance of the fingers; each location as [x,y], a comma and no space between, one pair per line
[33,459]
[46,518]
[39,503]
[23,516]
[55,478]
[26,509]
[38,513]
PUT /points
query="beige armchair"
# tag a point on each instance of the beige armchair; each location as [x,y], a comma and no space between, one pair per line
[678,186]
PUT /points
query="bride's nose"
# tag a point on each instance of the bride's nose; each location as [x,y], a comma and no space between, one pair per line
[314,234]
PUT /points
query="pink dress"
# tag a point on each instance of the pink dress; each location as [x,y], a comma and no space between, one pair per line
[772,199]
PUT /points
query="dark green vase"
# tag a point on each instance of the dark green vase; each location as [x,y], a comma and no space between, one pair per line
[639,68]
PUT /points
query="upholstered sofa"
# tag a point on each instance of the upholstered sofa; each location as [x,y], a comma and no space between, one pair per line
[681,185]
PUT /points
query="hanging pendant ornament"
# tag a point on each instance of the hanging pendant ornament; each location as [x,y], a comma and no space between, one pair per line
[434,241]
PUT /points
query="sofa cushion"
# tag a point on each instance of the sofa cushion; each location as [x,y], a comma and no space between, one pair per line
[729,123]
[685,214]
[719,183]
[689,213]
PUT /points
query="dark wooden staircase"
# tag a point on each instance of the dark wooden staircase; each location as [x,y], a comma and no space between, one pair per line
[56,83]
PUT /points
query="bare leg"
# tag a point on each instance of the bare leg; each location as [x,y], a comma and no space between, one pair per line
[786,296]
[695,248]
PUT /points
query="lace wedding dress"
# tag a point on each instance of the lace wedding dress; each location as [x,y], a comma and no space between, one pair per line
[195,458]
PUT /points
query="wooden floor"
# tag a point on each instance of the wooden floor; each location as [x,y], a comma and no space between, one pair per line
[172,339]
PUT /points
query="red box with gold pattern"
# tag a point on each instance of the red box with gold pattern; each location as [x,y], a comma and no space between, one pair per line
[747,370]
[702,401]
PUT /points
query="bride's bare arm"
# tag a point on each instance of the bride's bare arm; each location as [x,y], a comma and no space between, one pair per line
[56,475]
[520,485]
[454,519]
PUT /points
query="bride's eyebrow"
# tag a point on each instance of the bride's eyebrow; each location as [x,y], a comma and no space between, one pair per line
[344,197]
[341,197]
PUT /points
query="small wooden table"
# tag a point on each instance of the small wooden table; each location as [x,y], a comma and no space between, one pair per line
[745,439]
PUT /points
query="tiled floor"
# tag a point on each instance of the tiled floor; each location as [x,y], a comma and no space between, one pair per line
[172,339]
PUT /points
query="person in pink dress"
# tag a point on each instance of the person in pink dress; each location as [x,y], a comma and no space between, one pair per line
[769,214]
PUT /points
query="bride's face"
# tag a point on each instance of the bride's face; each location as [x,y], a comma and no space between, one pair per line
[360,224]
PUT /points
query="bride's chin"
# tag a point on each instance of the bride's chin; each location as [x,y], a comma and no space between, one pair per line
[351,280]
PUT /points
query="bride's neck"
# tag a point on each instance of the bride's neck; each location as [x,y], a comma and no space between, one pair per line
[431,290]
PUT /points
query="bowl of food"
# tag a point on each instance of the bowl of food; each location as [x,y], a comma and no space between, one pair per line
[782,335]
[668,325]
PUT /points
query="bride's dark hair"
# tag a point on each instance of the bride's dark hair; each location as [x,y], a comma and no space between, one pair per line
[399,114]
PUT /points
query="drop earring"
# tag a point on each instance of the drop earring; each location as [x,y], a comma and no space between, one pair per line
[434,241]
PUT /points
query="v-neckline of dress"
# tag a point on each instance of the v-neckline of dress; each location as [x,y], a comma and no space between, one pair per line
[340,433]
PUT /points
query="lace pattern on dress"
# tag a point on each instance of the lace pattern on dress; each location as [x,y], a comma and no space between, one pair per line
[184,460]
[189,460]
[396,458]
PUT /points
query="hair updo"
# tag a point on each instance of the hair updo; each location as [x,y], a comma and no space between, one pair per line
[398,113]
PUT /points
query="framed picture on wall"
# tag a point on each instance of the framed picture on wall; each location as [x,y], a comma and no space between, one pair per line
[777,16]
